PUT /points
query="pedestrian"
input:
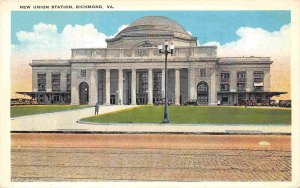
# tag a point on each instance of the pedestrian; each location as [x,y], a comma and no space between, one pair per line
[96,108]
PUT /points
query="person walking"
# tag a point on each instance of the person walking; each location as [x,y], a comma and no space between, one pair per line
[96,108]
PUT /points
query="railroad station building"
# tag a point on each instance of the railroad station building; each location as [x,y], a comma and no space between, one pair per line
[131,71]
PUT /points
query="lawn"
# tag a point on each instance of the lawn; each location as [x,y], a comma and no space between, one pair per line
[16,111]
[197,115]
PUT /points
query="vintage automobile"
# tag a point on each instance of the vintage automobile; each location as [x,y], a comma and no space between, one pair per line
[285,103]
[243,102]
[21,101]
[191,102]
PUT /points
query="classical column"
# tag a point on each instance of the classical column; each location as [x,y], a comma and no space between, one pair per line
[150,86]
[93,87]
[120,87]
[163,83]
[213,88]
[133,87]
[177,86]
[107,86]
[48,81]
[191,82]
[74,88]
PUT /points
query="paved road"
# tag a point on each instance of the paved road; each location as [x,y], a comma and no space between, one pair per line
[94,157]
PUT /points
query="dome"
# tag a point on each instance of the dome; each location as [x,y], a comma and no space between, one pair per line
[155,25]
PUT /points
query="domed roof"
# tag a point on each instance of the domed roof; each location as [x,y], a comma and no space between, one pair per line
[155,25]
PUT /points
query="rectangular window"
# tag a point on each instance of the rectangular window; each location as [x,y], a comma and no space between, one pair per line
[55,82]
[225,99]
[83,73]
[241,86]
[241,76]
[258,76]
[225,77]
[68,82]
[202,72]
[41,82]
[224,87]
[157,87]
[56,97]
[258,88]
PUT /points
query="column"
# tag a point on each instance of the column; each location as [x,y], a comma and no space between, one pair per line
[177,86]
[93,87]
[133,87]
[213,88]
[150,86]
[74,88]
[107,86]
[191,82]
[163,83]
[48,81]
[120,87]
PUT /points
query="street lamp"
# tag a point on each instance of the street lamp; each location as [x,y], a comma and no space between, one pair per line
[166,49]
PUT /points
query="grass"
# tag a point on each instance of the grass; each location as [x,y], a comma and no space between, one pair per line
[197,115]
[16,111]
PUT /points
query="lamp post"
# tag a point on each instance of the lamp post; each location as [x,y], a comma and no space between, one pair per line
[166,49]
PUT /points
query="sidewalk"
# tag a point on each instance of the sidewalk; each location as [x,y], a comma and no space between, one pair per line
[67,122]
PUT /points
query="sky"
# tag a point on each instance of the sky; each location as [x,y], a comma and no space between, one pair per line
[49,34]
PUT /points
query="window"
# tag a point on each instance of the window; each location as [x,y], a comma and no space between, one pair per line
[258,88]
[241,86]
[224,87]
[202,72]
[143,82]
[258,76]
[202,99]
[224,77]
[157,87]
[225,99]
[41,82]
[83,73]
[55,82]
[241,76]
[68,82]
[56,97]
[202,87]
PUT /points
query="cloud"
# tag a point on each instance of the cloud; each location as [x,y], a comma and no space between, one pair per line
[262,43]
[45,42]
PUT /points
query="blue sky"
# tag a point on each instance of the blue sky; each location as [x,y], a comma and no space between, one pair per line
[220,26]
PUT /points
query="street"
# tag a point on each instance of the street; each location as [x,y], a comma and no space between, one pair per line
[160,157]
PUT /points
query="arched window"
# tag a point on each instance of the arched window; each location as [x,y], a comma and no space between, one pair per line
[202,93]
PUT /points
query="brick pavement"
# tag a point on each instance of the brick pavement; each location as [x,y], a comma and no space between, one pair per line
[96,164]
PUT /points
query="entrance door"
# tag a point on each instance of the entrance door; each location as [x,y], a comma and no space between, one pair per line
[83,93]
[202,93]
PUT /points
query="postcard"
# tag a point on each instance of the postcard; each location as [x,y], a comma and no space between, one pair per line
[137,93]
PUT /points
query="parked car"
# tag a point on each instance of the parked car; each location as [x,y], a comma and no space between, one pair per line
[21,101]
[243,102]
[191,102]
[264,103]
[273,103]
[285,103]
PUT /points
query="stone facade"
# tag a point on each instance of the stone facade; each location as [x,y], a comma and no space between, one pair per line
[131,71]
